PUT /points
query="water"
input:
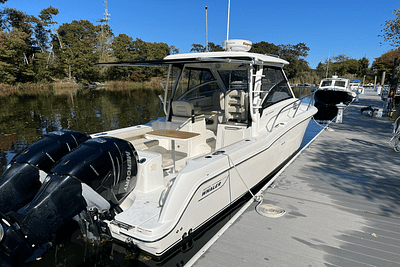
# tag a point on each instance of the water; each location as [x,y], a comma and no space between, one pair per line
[25,120]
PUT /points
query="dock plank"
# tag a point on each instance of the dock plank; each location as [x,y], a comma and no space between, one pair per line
[341,197]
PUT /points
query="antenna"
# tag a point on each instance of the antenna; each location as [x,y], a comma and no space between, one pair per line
[327,68]
[104,42]
[206,31]
[227,28]
[106,15]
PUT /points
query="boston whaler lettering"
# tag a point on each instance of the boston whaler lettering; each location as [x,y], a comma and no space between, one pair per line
[231,120]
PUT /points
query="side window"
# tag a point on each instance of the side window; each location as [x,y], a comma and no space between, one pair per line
[274,87]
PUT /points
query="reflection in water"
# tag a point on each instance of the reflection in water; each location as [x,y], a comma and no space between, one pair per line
[24,120]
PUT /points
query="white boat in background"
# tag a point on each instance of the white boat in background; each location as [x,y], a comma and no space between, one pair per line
[231,119]
[333,91]
[355,86]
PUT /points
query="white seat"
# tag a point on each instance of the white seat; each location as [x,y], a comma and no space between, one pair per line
[182,108]
[235,105]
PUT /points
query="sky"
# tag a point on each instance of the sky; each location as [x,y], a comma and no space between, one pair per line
[328,28]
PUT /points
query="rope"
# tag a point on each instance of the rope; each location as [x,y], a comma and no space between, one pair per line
[259,198]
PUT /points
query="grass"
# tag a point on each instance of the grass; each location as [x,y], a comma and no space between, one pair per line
[62,87]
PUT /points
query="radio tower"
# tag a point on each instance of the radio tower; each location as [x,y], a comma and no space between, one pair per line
[104,40]
[106,15]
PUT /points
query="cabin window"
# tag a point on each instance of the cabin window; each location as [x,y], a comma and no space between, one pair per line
[235,79]
[274,87]
[195,83]
[326,83]
[340,83]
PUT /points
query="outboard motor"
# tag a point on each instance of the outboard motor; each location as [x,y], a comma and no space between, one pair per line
[96,176]
[21,180]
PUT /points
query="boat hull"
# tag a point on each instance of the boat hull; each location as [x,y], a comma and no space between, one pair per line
[243,165]
[326,101]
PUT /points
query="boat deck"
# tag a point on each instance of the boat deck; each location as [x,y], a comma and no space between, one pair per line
[341,196]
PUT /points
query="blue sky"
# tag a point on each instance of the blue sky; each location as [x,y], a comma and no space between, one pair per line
[328,28]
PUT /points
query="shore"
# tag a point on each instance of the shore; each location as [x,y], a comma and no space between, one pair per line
[66,87]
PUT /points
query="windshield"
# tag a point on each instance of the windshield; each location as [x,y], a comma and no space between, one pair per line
[195,83]
[326,83]
[340,83]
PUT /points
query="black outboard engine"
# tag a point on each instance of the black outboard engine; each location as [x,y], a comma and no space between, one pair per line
[21,180]
[96,176]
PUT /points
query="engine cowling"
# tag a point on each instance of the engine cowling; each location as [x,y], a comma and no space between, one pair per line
[108,165]
[21,180]
[97,175]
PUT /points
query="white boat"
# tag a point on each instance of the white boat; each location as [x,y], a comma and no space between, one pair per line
[333,91]
[231,120]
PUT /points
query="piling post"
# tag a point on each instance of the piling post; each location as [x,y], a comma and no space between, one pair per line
[339,116]
[393,85]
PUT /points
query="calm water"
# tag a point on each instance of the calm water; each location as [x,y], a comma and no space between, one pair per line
[25,120]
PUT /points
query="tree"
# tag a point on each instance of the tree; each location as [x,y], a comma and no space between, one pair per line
[76,52]
[11,45]
[214,47]
[363,67]
[391,32]
[293,54]
[18,25]
[32,60]
[126,49]
[265,48]
[385,62]
[173,50]
[197,48]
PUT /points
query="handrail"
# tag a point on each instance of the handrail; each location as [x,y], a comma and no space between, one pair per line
[297,108]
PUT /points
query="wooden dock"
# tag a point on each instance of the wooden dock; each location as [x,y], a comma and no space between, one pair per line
[341,196]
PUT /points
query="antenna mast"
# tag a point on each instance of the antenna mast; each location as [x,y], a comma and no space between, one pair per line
[104,41]
[227,28]
[106,15]
[206,31]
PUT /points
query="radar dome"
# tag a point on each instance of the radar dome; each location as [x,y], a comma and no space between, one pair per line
[237,45]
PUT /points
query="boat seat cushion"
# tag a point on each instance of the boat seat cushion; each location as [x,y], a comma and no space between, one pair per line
[182,108]
[167,160]
[235,105]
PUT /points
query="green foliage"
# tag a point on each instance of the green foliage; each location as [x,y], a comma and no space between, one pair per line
[11,44]
[126,49]
[265,48]
[76,50]
[211,47]
[385,63]
[294,54]
[391,32]
[343,66]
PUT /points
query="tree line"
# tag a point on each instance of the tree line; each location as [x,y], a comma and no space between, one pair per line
[34,50]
